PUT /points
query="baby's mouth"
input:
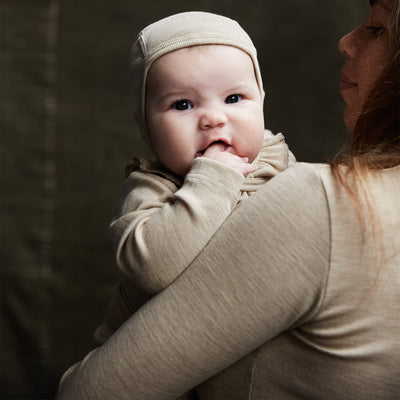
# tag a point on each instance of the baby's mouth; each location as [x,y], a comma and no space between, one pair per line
[221,142]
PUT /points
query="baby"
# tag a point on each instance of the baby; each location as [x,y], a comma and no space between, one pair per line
[199,106]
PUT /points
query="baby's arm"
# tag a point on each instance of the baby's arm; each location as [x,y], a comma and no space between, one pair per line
[145,195]
[142,197]
[154,216]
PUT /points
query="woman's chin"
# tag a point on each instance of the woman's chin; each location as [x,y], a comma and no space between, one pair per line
[350,119]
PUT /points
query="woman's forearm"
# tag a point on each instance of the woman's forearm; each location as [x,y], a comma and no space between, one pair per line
[262,273]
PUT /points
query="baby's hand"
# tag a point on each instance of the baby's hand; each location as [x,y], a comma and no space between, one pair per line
[223,153]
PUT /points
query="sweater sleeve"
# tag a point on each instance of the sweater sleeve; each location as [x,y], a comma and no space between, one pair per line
[159,231]
[263,272]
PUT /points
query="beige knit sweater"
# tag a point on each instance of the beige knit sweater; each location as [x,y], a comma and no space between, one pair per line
[289,285]
[163,221]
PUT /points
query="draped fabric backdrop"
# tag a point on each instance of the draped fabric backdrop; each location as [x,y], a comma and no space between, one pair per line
[67,133]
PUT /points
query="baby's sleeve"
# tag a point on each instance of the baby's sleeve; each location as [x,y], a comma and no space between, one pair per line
[161,228]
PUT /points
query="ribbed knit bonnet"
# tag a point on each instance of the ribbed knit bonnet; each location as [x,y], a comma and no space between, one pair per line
[175,32]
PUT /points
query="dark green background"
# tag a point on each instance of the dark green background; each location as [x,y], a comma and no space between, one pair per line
[67,133]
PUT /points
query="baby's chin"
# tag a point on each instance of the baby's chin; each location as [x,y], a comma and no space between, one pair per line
[181,170]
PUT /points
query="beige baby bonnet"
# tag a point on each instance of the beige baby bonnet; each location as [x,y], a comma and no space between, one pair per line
[175,32]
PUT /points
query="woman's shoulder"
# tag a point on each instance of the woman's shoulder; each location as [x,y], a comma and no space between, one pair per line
[307,169]
[380,181]
[298,193]
[304,175]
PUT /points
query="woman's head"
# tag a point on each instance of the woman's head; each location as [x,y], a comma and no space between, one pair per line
[373,116]
[369,49]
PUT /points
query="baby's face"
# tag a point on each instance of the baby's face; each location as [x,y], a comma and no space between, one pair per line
[199,96]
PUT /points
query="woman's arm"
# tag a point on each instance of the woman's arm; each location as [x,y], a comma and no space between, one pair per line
[262,273]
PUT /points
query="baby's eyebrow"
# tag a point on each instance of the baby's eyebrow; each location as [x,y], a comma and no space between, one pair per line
[237,85]
[177,94]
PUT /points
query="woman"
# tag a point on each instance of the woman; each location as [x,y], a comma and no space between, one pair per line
[308,304]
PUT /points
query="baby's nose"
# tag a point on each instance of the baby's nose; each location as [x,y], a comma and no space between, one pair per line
[212,118]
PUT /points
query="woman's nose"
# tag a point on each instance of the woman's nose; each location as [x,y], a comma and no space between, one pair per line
[348,44]
[212,118]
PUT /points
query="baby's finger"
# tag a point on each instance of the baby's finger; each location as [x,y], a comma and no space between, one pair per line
[215,148]
[229,149]
[248,168]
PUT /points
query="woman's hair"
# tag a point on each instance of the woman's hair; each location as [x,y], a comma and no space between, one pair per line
[375,142]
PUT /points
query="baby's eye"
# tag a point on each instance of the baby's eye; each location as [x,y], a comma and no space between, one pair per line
[233,98]
[376,30]
[182,105]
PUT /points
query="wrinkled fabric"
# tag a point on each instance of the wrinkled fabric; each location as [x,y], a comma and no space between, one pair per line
[307,287]
[158,211]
